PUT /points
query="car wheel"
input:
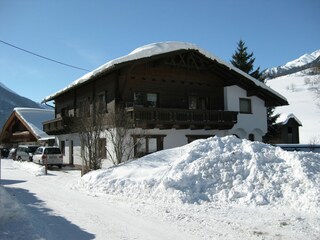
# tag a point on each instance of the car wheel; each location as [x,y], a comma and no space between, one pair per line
[19,158]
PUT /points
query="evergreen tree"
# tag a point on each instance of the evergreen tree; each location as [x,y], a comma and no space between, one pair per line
[273,127]
[244,61]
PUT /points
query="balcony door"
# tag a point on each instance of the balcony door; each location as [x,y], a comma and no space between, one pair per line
[198,102]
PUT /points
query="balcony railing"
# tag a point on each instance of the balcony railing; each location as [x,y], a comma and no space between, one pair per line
[182,118]
[163,118]
[58,126]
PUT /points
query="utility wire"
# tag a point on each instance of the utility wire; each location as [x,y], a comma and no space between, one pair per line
[38,55]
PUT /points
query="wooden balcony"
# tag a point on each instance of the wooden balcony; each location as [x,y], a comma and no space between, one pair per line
[165,118]
[57,126]
[162,118]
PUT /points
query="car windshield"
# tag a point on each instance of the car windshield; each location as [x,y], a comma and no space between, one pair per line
[52,151]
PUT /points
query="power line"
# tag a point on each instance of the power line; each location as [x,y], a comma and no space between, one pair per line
[38,55]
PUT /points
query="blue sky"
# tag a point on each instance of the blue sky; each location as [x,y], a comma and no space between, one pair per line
[87,34]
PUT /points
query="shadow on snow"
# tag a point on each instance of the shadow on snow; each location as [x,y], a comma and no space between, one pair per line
[30,219]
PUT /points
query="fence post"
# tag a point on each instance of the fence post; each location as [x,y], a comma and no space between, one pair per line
[46,167]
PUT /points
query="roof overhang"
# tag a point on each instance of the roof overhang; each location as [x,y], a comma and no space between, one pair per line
[156,50]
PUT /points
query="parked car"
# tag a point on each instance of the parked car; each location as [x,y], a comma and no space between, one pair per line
[12,153]
[48,155]
[25,152]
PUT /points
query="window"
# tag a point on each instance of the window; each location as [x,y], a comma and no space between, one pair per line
[63,146]
[152,100]
[197,102]
[203,103]
[53,150]
[152,145]
[102,102]
[147,144]
[138,99]
[245,105]
[64,112]
[145,99]
[84,108]
[141,146]
[38,151]
[193,102]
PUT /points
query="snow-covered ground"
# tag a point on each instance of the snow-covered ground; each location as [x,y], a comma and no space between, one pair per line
[302,103]
[219,188]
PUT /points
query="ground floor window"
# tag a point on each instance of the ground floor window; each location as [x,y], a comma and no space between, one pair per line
[144,145]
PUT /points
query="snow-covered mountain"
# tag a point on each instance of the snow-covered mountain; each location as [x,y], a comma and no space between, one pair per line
[9,100]
[306,61]
[297,80]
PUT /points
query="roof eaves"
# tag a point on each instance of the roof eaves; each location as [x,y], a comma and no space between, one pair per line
[162,48]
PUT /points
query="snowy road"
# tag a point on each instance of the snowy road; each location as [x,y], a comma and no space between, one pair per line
[48,207]
[57,212]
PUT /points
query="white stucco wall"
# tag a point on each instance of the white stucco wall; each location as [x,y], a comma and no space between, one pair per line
[176,138]
[255,123]
[76,147]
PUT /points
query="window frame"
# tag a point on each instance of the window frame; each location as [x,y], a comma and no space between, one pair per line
[248,109]
[141,99]
[101,102]
[145,139]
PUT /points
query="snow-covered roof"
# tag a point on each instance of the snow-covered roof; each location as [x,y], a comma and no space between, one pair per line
[34,117]
[285,117]
[153,50]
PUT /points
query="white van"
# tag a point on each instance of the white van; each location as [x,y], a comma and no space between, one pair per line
[48,155]
[25,152]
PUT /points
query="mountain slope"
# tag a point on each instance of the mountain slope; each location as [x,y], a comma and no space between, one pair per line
[291,80]
[10,100]
[306,61]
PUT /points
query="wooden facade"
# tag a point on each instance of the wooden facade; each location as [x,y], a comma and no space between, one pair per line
[173,92]
[179,90]
[24,126]
[16,131]
[288,132]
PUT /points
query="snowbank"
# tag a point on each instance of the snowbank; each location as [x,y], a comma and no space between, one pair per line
[219,170]
[30,167]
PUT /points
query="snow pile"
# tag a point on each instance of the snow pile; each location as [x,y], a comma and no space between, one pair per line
[30,167]
[220,170]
